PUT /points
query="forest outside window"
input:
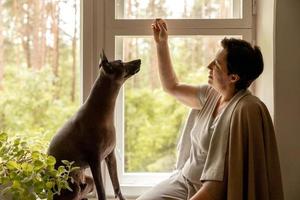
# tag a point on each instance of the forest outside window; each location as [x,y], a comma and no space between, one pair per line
[39,66]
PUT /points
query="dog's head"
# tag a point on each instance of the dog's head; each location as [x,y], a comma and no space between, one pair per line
[118,69]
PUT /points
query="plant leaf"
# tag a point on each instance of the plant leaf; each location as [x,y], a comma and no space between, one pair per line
[11,165]
[3,137]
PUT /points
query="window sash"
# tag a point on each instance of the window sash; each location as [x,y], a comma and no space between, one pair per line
[99,29]
[235,9]
[244,22]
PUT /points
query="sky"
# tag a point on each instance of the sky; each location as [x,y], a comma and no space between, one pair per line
[67,15]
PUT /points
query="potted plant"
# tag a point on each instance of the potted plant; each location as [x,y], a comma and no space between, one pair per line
[28,173]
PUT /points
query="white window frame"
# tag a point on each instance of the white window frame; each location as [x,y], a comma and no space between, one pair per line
[99,29]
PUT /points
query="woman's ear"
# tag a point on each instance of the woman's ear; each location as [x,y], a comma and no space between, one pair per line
[234,78]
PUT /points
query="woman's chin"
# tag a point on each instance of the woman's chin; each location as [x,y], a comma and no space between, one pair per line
[209,81]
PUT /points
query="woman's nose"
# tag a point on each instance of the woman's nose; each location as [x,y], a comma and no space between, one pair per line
[210,66]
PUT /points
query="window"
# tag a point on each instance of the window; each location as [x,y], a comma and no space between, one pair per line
[41,81]
[148,122]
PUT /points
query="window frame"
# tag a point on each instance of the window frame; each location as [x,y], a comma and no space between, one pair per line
[98,31]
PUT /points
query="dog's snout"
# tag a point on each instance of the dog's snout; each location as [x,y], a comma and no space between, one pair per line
[139,61]
[136,70]
[136,62]
[132,67]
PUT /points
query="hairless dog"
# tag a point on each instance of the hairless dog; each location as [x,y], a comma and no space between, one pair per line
[89,136]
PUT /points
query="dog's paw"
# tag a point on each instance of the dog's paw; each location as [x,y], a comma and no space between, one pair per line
[121,198]
[119,195]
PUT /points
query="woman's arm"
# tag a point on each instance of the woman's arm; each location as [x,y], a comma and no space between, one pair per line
[186,94]
[210,190]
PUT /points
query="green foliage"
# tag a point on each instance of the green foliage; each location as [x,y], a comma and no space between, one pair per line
[153,121]
[26,173]
[30,104]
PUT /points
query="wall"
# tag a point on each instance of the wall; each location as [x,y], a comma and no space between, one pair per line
[287,92]
[264,38]
[278,34]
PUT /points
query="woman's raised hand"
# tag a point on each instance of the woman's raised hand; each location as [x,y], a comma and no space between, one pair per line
[160,33]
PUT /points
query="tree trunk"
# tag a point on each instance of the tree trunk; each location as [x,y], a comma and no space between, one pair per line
[26,49]
[154,81]
[36,39]
[74,55]
[43,38]
[25,34]
[1,47]
[16,12]
[55,33]
[39,34]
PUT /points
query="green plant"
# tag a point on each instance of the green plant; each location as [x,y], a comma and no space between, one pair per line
[27,173]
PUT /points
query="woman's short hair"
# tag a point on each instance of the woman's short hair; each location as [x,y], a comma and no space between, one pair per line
[243,60]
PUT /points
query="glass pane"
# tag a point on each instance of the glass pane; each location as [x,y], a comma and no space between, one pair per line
[39,66]
[178,9]
[153,120]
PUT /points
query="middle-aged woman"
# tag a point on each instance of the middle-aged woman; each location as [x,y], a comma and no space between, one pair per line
[228,148]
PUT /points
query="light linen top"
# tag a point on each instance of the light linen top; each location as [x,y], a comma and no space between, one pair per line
[201,134]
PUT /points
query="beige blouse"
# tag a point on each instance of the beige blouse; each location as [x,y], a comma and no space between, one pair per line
[201,134]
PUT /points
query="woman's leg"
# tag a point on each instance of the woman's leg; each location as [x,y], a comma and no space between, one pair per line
[174,188]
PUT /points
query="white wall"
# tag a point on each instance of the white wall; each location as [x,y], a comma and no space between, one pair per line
[278,34]
[264,38]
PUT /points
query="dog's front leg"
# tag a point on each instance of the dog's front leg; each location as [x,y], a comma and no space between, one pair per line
[95,165]
[112,169]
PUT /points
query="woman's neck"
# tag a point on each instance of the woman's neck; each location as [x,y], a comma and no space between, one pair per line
[227,94]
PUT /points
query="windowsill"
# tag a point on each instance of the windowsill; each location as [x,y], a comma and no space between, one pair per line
[135,184]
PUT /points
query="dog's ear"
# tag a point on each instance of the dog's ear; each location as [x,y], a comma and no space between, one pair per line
[103,59]
[104,63]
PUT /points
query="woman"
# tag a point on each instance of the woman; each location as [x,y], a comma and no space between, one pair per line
[228,148]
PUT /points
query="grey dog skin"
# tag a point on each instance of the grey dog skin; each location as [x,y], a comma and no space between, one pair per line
[89,136]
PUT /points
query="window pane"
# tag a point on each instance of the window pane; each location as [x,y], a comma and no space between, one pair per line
[153,120]
[39,68]
[178,9]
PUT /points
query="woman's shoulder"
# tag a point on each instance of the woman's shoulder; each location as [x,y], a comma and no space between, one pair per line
[250,110]
[250,103]
[204,92]
[207,90]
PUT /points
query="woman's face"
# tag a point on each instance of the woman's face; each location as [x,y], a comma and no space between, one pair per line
[218,73]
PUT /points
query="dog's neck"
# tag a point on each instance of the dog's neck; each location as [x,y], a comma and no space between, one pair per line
[103,96]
